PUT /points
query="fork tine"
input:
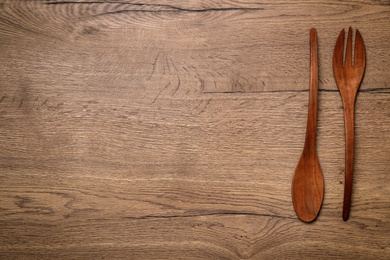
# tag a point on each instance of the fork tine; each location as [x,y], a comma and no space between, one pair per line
[348,51]
[360,53]
[338,52]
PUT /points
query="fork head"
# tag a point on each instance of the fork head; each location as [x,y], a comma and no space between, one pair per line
[349,74]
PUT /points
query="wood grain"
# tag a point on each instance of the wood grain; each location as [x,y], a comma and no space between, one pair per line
[171,130]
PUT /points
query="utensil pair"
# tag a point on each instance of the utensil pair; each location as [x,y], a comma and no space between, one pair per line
[308,181]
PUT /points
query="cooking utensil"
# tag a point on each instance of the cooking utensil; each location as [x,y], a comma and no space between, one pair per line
[348,78]
[308,182]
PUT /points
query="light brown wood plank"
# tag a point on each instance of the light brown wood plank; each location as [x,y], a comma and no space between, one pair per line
[225,167]
[228,51]
[232,237]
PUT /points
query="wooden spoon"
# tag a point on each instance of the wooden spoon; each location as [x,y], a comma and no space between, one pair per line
[308,182]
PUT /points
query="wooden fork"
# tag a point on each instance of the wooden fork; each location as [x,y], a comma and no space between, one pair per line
[348,78]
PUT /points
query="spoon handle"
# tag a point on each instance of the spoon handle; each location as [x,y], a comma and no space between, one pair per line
[349,108]
[310,140]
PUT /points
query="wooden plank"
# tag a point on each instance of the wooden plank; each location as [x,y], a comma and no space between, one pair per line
[228,51]
[216,237]
[170,164]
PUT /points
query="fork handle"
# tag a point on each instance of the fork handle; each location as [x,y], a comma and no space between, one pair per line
[349,108]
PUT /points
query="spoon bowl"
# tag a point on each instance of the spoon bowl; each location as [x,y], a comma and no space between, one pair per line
[308,186]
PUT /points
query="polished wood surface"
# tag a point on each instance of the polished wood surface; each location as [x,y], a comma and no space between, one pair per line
[348,72]
[171,130]
[308,181]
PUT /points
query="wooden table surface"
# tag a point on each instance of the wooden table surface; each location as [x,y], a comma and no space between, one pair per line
[171,130]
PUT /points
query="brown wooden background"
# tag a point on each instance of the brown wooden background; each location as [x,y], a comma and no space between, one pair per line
[171,130]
